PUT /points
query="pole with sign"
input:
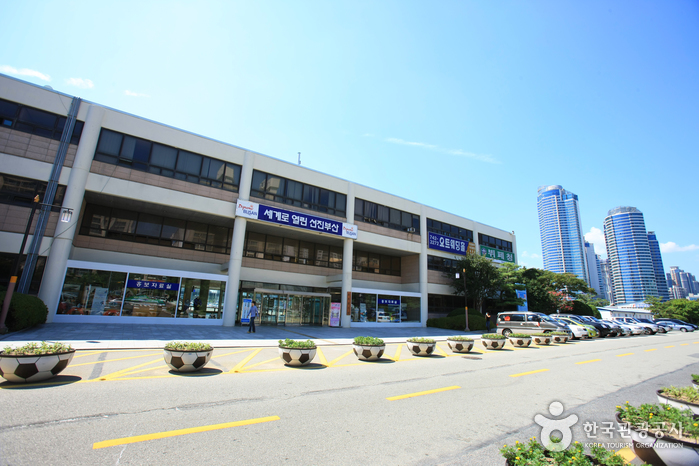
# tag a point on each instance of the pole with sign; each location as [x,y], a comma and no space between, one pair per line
[465,302]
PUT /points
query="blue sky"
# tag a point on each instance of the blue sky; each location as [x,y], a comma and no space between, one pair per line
[467,106]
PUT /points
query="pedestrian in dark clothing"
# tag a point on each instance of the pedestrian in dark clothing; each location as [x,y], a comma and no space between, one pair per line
[487,321]
[253,314]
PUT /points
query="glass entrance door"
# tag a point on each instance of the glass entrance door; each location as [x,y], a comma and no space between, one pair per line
[292,309]
[293,315]
[269,308]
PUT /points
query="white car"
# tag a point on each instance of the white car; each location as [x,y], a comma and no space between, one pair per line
[675,325]
[649,329]
[578,331]
[625,329]
[634,328]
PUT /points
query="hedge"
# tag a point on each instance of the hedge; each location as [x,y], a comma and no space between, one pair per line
[458,322]
[25,311]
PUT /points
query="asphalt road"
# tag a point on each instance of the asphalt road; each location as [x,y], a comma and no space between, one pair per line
[125,408]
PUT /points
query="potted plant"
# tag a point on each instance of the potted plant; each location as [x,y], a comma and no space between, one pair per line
[682,398]
[493,340]
[535,453]
[559,337]
[661,432]
[542,338]
[520,340]
[460,344]
[368,348]
[186,356]
[421,346]
[297,352]
[34,362]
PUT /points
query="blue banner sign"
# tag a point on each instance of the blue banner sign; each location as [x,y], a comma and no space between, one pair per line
[446,244]
[149,285]
[390,302]
[288,218]
[522,294]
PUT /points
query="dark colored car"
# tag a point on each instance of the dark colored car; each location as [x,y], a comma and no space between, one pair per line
[603,329]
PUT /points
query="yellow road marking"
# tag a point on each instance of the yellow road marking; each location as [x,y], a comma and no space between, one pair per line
[174,433]
[88,354]
[119,359]
[321,356]
[527,373]
[671,346]
[396,357]
[590,360]
[428,392]
[622,355]
[128,369]
[627,454]
[228,354]
[258,364]
[652,349]
[245,361]
[332,363]
[441,350]
[684,344]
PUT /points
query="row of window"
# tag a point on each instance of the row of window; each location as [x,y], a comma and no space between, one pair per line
[261,246]
[497,243]
[286,191]
[152,157]
[107,222]
[442,264]
[371,212]
[446,229]
[34,121]
[16,190]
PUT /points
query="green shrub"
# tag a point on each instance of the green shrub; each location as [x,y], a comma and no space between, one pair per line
[421,340]
[582,309]
[187,346]
[368,341]
[493,336]
[36,348]
[25,311]
[460,338]
[458,322]
[519,335]
[296,344]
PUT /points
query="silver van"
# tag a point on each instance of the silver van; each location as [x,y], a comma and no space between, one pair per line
[528,322]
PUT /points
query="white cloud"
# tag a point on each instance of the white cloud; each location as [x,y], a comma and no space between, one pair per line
[525,254]
[456,152]
[24,72]
[596,237]
[674,247]
[80,82]
[134,94]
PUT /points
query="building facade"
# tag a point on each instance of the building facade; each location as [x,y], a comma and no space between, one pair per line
[593,269]
[630,262]
[658,268]
[606,278]
[562,242]
[169,227]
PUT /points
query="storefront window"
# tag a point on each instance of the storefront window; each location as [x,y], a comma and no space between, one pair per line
[410,308]
[363,307]
[151,295]
[201,299]
[92,292]
[388,309]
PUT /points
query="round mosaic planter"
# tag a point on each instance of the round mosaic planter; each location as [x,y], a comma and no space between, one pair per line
[559,338]
[460,346]
[186,361]
[297,356]
[33,368]
[666,451]
[421,349]
[520,342]
[492,343]
[541,340]
[369,352]
[666,400]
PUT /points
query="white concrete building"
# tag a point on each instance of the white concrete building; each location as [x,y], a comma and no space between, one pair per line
[171,227]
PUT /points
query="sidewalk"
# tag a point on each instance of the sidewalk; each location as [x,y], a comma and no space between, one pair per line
[131,336]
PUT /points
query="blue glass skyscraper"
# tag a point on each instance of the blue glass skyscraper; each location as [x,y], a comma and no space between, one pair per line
[630,262]
[562,242]
[658,268]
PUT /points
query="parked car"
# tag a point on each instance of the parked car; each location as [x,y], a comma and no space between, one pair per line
[661,329]
[663,326]
[622,330]
[578,330]
[675,325]
[591,331]
[602,329]
[528,322]
[681,325]
[650,329]
[628,329]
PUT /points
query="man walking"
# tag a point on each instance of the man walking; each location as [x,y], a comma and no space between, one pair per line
[487,321]
[253,314]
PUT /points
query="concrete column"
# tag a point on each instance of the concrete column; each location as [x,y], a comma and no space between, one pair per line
[347,252]
[235,262]
[423,267]
[57,261]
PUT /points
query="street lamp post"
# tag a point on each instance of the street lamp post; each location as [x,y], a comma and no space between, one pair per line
[66,214]
[465,302]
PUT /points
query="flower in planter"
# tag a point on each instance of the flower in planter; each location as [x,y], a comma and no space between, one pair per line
[493,336]
[368,341]
[187,346]
[368,348]
[534,453]
[187,356]
[520,339]
[297,352]
[296,344]
[460,338]
[460,343]
[34,362]
[421,340]
[661,421]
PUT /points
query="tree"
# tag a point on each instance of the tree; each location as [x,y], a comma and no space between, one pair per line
[481,279]
[682,309]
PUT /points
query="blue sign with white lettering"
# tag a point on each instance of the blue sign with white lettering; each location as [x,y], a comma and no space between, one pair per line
[447,244]
[149,285]
[389,302]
